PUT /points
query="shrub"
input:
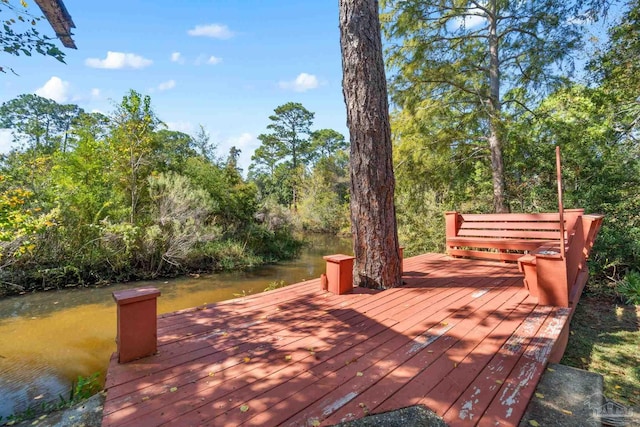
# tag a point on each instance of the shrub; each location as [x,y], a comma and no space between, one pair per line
[629,288]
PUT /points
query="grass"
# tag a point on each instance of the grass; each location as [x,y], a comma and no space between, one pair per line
[605,338]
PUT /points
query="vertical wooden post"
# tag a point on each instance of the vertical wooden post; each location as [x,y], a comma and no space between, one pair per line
[560,205]
[452,226]
[137,323]
[339,273]
[401,250]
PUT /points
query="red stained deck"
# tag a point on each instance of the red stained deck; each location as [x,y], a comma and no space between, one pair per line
[463,337]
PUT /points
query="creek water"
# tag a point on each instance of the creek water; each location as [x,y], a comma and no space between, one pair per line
[49,339]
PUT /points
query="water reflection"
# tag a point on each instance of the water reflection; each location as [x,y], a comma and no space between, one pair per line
[48,339]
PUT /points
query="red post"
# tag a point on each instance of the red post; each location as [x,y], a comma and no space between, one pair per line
[452,223]
[553,287]
[137,323]
[560,203]
[339,273]
[401,250]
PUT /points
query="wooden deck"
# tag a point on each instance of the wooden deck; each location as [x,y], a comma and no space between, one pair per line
[463,337]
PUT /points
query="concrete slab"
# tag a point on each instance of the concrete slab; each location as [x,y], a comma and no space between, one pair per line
[412,416]
[566,397]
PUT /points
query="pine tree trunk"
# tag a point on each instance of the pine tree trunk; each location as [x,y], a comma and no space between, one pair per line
[495,146]
[373,218]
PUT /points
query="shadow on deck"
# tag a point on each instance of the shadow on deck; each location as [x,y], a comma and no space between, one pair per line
[462,337]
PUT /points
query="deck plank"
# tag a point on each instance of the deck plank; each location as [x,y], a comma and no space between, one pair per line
[301,356]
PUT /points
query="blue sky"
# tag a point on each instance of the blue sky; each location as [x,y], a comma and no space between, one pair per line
[223,64]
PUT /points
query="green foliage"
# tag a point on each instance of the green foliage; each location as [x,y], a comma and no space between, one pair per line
[276,284]
[19,35]
[302,169]
[324,205]
[284,153]
[90,198]
[629,288]
[85,387]
[458,66]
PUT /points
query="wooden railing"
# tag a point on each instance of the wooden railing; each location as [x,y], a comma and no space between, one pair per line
[552,257]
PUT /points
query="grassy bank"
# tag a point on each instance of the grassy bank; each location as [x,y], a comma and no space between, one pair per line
[605,338]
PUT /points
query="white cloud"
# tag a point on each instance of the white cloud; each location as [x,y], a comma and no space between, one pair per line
[241,141]
[56,89]
[169,84]
[204,59]
[119,60]
[177,57]
[216,31]
[95,93]
[302,83]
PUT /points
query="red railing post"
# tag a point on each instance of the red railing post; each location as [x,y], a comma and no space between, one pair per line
[339,273]
[137,323]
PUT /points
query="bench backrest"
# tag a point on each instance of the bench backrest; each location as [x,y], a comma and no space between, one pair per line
[542,226]
[537,226]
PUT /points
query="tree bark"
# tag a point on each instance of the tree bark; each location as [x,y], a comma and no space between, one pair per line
[373,218]
[495,146]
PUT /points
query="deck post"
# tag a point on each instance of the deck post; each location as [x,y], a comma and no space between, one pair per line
[452,223]
[401,250]
[137,323]
[552,280]
[339,273]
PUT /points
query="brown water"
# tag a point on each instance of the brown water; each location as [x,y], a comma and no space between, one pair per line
[48,339]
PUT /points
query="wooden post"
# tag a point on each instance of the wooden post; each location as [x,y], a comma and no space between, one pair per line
[401,250]
[553,287]
[560,205]
[137,323]
[452,226]
[339,273]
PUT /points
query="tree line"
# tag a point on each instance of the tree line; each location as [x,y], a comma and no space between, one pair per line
[88,198]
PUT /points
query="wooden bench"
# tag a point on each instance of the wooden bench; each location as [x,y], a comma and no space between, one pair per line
[504,237]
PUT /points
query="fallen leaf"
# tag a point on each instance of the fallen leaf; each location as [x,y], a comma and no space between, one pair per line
[145,398]
[444,323]
[315,422]
[617,387]
[211,374]
[287,358]
[173,389]
[246,359]
[244,408]
[566,411]
[540,395]
[572,332]
[551,370]
[455,365]
[583,360]
[359,374]
[534,423]
[499,381]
